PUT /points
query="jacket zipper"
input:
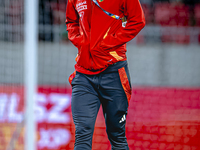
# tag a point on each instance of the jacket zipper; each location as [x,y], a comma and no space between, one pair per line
[90,33]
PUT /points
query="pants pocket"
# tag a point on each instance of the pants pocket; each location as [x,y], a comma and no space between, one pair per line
[71,77]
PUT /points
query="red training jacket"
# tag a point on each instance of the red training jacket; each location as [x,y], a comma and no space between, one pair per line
[100,39]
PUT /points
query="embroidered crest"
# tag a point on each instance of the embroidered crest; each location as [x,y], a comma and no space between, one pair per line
[100,0]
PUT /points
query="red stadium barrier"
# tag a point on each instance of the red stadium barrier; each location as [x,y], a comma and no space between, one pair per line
[158,119]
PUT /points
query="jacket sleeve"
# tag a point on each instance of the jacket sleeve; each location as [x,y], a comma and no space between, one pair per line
[135,22]
[72,23]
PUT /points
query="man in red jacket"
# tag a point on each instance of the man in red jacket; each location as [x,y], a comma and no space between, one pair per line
[101,74]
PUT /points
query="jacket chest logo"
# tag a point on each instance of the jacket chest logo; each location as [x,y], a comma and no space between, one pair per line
[81,6]
[100,0]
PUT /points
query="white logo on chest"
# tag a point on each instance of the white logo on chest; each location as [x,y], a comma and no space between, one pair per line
[81,6]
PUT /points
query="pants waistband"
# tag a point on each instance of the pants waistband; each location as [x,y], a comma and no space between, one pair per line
[114,67]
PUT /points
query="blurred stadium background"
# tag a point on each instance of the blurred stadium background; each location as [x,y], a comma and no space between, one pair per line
[164,63]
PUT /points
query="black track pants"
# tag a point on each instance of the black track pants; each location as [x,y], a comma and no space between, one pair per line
[88,93]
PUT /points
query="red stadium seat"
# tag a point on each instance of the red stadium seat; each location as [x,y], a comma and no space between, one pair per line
[197,17]
[167,14]
[197,14]
[162,13]
[148,12]
[176,15]
[58,12]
